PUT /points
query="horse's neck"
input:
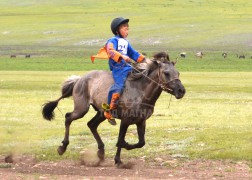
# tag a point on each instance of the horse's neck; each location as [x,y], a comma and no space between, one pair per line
[144,90]
[152,89]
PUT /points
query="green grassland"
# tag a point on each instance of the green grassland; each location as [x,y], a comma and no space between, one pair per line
[213,120]
[210,62]
[61,28]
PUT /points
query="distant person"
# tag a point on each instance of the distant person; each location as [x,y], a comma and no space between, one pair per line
[120,53]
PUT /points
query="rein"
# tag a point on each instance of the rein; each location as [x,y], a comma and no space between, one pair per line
[162,84]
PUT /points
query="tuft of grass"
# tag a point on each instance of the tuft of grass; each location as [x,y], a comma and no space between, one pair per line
[6,165]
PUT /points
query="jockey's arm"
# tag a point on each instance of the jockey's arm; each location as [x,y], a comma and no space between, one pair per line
[136,56]
[117,56]
[112,53]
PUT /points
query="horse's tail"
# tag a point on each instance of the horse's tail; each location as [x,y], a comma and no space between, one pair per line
[66,91]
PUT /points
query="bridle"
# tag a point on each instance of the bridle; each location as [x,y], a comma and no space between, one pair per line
[162,84]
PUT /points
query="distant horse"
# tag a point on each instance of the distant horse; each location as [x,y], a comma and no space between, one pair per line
[224,54]
[199,54]
[183,54]
[13,56]
[27,56]
[241,56]
[136,105]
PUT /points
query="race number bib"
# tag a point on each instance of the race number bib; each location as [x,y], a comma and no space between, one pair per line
[122,46]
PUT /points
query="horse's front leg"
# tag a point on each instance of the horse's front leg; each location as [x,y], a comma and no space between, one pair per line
[141,134]
[117,159]
[141,137]
[120,143]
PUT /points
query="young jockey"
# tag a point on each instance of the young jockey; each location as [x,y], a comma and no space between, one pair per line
[120,53]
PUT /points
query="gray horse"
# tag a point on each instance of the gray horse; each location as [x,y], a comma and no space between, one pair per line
[142,89]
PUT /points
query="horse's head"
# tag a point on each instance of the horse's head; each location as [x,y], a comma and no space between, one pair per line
[169,79]
[164,74]
[168,76]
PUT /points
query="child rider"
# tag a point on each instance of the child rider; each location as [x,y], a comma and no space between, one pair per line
[120,53]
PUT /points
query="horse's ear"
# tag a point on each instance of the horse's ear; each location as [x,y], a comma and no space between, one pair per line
[174,63]
[156,62]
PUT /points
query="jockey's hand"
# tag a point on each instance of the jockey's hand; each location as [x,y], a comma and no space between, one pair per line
[144,60]
[126,58]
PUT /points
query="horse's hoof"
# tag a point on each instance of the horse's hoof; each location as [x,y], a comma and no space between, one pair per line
[101,154]
[61,150]
[118,162]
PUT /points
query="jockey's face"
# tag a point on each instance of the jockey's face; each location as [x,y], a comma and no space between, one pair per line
[124,30]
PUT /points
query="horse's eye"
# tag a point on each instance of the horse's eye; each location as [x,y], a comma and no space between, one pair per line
[166,73]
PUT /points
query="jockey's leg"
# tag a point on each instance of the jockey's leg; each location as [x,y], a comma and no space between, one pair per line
[114,94]
[113,105]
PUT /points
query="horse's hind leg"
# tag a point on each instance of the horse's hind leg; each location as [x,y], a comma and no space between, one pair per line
[93,125]
[79,111]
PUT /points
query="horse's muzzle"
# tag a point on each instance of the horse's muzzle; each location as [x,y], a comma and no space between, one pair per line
[179,91]
[175,88]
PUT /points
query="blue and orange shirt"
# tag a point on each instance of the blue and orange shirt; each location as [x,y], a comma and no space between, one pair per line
[118,46]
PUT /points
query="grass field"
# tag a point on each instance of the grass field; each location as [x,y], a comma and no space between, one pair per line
[213,120]
[61,27]
[211,62]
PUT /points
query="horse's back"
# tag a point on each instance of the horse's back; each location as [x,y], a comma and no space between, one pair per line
[99,79]
[94,86]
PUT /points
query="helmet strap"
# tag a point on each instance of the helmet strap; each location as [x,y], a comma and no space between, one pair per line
[118,33]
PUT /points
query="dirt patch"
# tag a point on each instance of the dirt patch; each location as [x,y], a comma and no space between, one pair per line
[27,167]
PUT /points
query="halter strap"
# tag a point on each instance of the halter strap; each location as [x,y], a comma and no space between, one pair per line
[162,84]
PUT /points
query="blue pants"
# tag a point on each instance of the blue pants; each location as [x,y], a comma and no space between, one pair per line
[119,75]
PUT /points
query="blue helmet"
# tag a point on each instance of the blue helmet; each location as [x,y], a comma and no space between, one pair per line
[116,23]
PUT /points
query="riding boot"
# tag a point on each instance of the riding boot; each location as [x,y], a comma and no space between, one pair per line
[113,105]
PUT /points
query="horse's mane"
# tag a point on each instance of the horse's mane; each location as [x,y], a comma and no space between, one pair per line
[162,56]
[144,69]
